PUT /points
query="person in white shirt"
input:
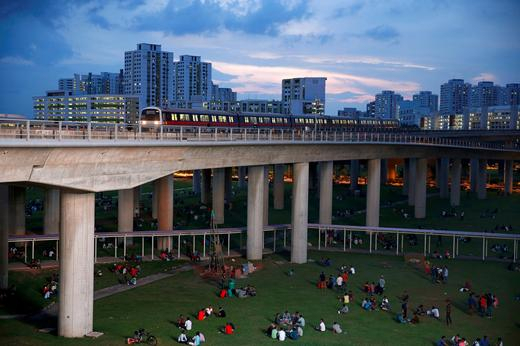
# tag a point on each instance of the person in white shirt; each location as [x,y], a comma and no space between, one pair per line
[336,329]
[339,281]
[182,339]
[434,312]
[188,324]
[281,335]
[321,327]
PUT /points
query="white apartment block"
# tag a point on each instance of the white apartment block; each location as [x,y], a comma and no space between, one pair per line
[304,95]
[149,74]
[192,81]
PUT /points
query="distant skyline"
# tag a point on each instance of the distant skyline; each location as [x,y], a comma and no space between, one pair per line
[362,47]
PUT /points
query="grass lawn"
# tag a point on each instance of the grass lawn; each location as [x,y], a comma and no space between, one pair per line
[157,305]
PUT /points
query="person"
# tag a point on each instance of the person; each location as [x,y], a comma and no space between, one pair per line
[221,312]
[293,333]
[202,337]
[381,286]
[188,324]
[476,342]
[301,321]
[434,312]
[321,326]
[336,328]
[346,298]
[448,313]
[300,330]
[229,328]
[281,335]
[343,310]
[181,322]
[415,319]
[223,293]
[182,338]
[208,311]
[196,340]
[500,342]
[201,315]
[404,309]
[442,341]
[339,281]
[274,333]
[484,341]
[445,274]
[401,319]
[385,304]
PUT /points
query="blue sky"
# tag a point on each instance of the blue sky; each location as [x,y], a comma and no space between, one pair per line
[362,47]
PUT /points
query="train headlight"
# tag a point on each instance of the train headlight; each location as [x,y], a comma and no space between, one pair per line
[156,122]
[143,122]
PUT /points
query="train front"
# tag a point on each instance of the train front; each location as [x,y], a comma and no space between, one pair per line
[151,118]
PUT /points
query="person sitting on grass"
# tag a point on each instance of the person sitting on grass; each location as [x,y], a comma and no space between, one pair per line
[293,333]
[331,283]
[321,326]
[385,304]
[188,324]
[208,311]
[182,338]
[269,329]
[274,333]
[401,319]
[301,321]
[221,312]
[223,293]
[365,304]
[336,328]
[343,309]
[195,341]
[286,318]
[442,341]
[201,315]
[434,312]
[229,328]
[282,335]
[421,311]
[181,322]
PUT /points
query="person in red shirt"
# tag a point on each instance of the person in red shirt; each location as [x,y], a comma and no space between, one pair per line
[133,272]
[201,315]
[229,328]
[345,277]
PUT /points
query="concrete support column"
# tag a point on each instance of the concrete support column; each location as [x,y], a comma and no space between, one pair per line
[508,177]
[4,235]
[300,209]
[255,214]
[219,188]
[443,175]
[278,187]
[125,206]
[354,174]
[155,198]
[76,249]
[195,181]
[412,173]
[242,172]
[164,208]
[473,174]
[228,183]
[137,200]
[373,192]
[16,210]
[384,171]
[420,188]
[266,196]
[51,211]
[456,170]
[482,179]
[406,176]
[206,186]
[326,192]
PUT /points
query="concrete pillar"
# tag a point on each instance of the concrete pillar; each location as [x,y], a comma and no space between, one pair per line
[508,177]
[266,196]
[137,200]
[164,208]
[278,187]
[255,214]
[76,254]
[482,179]
[326,192]
[242,172]
[384,171]
[219,187]
[16,210]
[473,175]
[51,211]
[300,209]
[354,174]
[412,173]
[373,192]
[443,175]
[206,186]
[125,214]
[456,169]
[4,235]
[195,181]
[406,176]
[228,183]
[420,188]
[437,172]
[155,198]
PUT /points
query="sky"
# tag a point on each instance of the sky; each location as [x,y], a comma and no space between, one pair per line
[362,47]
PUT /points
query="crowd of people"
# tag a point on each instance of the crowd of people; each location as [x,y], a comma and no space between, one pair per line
[127,272]
[458,340]
[185,324]
[50,288]
[286,325]
[241,292]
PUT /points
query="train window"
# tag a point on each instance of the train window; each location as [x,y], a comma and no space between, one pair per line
[231,119]
[174,117]
[246,120]
[213,118]
[279,120]
[285,120]
[204,118]
[195,117]
[184,117]
[222,119]
[260,120]
[253,120]
[268,120]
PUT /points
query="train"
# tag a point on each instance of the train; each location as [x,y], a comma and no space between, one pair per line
[153,117]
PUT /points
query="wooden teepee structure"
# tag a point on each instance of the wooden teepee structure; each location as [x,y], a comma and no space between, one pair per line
[216,263]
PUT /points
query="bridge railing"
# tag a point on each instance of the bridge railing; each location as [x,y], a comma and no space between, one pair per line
[35,130]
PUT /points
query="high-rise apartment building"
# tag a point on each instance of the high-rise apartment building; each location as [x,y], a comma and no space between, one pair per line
[425,102]
[387,104]
[455,96]
[303,95]
[371,109]
[222,94]
[192,81]
[485,94]
[90,84]
[149,74]
[512,94]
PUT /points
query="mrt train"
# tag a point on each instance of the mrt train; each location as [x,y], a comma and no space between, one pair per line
[153,117]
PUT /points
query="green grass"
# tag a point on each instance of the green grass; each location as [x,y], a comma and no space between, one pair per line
[155,306]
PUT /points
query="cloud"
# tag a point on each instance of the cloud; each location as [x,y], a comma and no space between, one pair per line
[238,7]
[358,99]
[484,76]
[265,55]
[369,60]
[383,33]
[15,60]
